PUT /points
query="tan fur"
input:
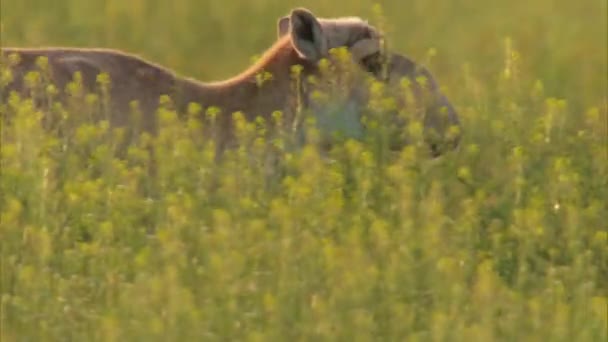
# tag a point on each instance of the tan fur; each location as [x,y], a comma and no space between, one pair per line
[133,78]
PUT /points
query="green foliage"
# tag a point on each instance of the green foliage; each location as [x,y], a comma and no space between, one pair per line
[503,239]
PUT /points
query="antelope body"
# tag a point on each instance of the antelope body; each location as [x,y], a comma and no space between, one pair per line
[303,40]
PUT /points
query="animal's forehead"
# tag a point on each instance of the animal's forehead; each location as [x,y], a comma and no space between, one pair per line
[346,31]
[399,64]
[343,21]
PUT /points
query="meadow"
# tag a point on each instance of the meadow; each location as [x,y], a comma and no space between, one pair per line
[504,239]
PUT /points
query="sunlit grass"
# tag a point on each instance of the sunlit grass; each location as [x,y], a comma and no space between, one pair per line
[502,239]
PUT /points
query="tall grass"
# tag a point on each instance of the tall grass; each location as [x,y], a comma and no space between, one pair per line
[503,239]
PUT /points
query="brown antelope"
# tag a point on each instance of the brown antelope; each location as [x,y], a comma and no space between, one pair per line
[304,40]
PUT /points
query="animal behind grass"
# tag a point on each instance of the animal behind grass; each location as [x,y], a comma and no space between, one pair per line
[319,66]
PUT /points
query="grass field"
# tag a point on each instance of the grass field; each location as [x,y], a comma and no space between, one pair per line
[505,239]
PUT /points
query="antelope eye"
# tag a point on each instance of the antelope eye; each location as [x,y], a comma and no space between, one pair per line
[373,63]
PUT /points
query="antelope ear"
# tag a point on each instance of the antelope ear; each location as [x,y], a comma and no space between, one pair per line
[282,26]
[307,35]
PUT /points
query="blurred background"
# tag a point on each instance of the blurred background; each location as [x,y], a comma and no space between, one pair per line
[562,43]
